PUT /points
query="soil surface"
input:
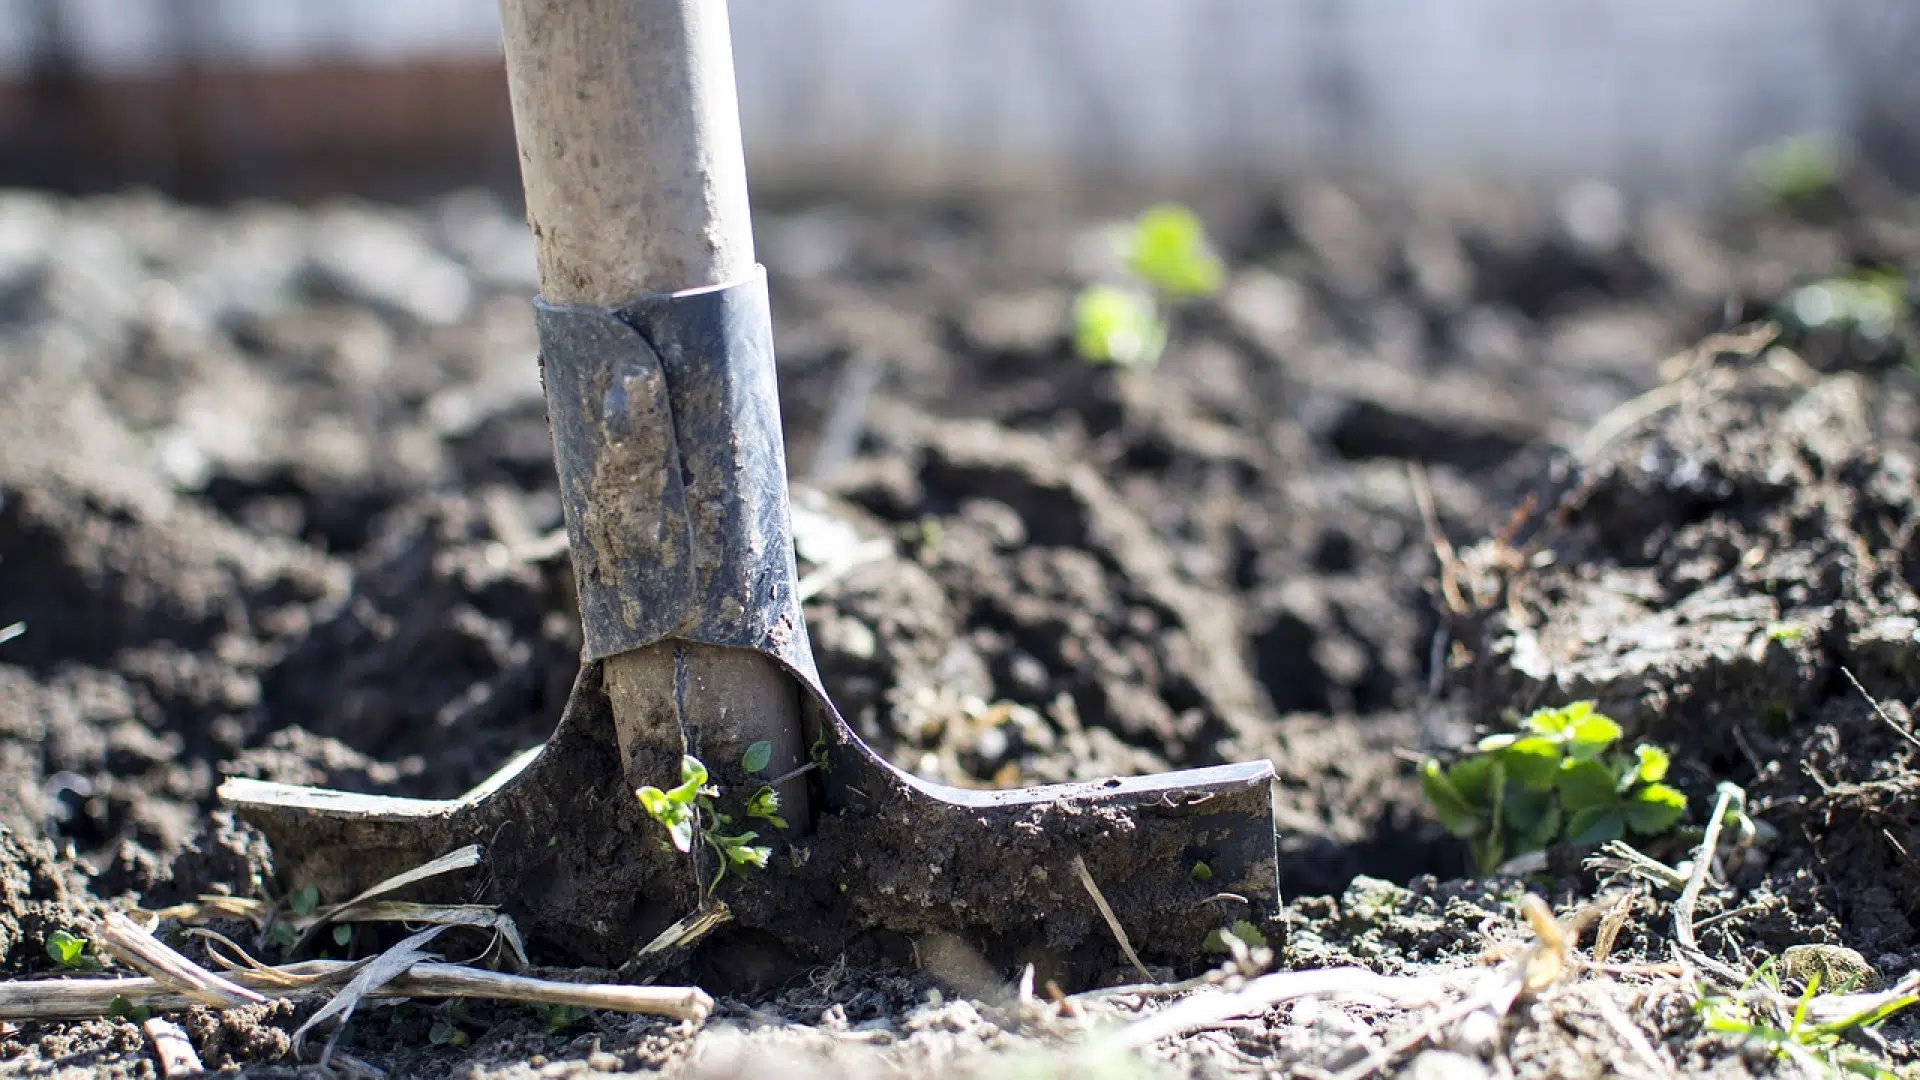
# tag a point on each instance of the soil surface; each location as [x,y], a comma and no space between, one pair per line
[276,500]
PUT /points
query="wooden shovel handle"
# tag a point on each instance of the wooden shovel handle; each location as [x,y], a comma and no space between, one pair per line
[636,184]
[629,136]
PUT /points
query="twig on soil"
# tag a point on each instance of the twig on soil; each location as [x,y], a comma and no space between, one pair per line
[370,976]
[478,916]
[460,859]
[697,924]
[138,949]
[1443,549]
[82,999]
[1635,1039]
[1611,923]
[172,1050]
[1113,921]
[1258,995]
[1498,996]
[1879,711]
[1731,797]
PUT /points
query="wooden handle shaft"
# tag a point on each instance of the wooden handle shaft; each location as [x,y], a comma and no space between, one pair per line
[629,136]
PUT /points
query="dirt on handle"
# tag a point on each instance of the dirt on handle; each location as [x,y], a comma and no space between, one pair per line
[268,508]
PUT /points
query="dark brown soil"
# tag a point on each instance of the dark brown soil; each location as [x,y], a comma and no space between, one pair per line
[276,501]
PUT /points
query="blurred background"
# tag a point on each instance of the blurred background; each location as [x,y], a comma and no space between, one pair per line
[214,99]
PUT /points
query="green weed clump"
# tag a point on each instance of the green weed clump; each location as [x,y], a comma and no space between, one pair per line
[1821,1049]
[1168,259]
[1560,779]
[688,812]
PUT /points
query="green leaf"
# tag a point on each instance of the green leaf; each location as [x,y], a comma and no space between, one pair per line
[121,1008]
[1112,325]
[758,756]
[1651,764]
[342,934]
[765,805]
[1556,722]
[1591,735]
[658,804]
[1201,872]
[1168,248]
[1542,831]
[1654,809]
[1532,762]
[1595,825]
[674,816]
[304,900]
[1450,808]
[1474,778]
[693,777]
[66,950]
[1585,784]
[1532,817]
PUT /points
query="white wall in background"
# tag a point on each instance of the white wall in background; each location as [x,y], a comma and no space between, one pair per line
[932,92]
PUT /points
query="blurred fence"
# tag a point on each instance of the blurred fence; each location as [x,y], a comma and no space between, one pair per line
[219,97]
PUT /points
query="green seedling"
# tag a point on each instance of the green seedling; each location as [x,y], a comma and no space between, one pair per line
[557,1018]
[1167,259]
[1559,779]
[688,812]
[121,1008]
[69,952]
[1822,1049]
[1872,303]
[1248,934]
[446,1029]
[1795,169]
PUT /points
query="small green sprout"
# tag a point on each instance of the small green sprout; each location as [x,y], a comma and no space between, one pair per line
[342,933]
[1168,249]
[1872,303]
[688,811]
[1557,780]
[558,1017]
[122,1008]
[446,1029]
[765,805]
[445,1032]
[1114,325]
[1821,1049]
[304,900]
[1168,259]
[1249,935]
[69,952]
[1796,169]
[1201,872]
[1786,632]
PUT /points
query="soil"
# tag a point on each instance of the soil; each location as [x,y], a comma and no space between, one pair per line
[276,500]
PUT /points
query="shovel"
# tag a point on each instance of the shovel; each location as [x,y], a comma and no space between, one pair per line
[657,361]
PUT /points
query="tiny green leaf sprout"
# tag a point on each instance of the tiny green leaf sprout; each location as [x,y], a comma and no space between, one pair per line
[1559,779]
[68,951]
[688,811]
[1167,258]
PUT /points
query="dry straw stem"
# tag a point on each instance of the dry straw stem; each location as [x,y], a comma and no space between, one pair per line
[81,999]
[172,1050]
[135,947]
[1730,798]
[1113,921]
